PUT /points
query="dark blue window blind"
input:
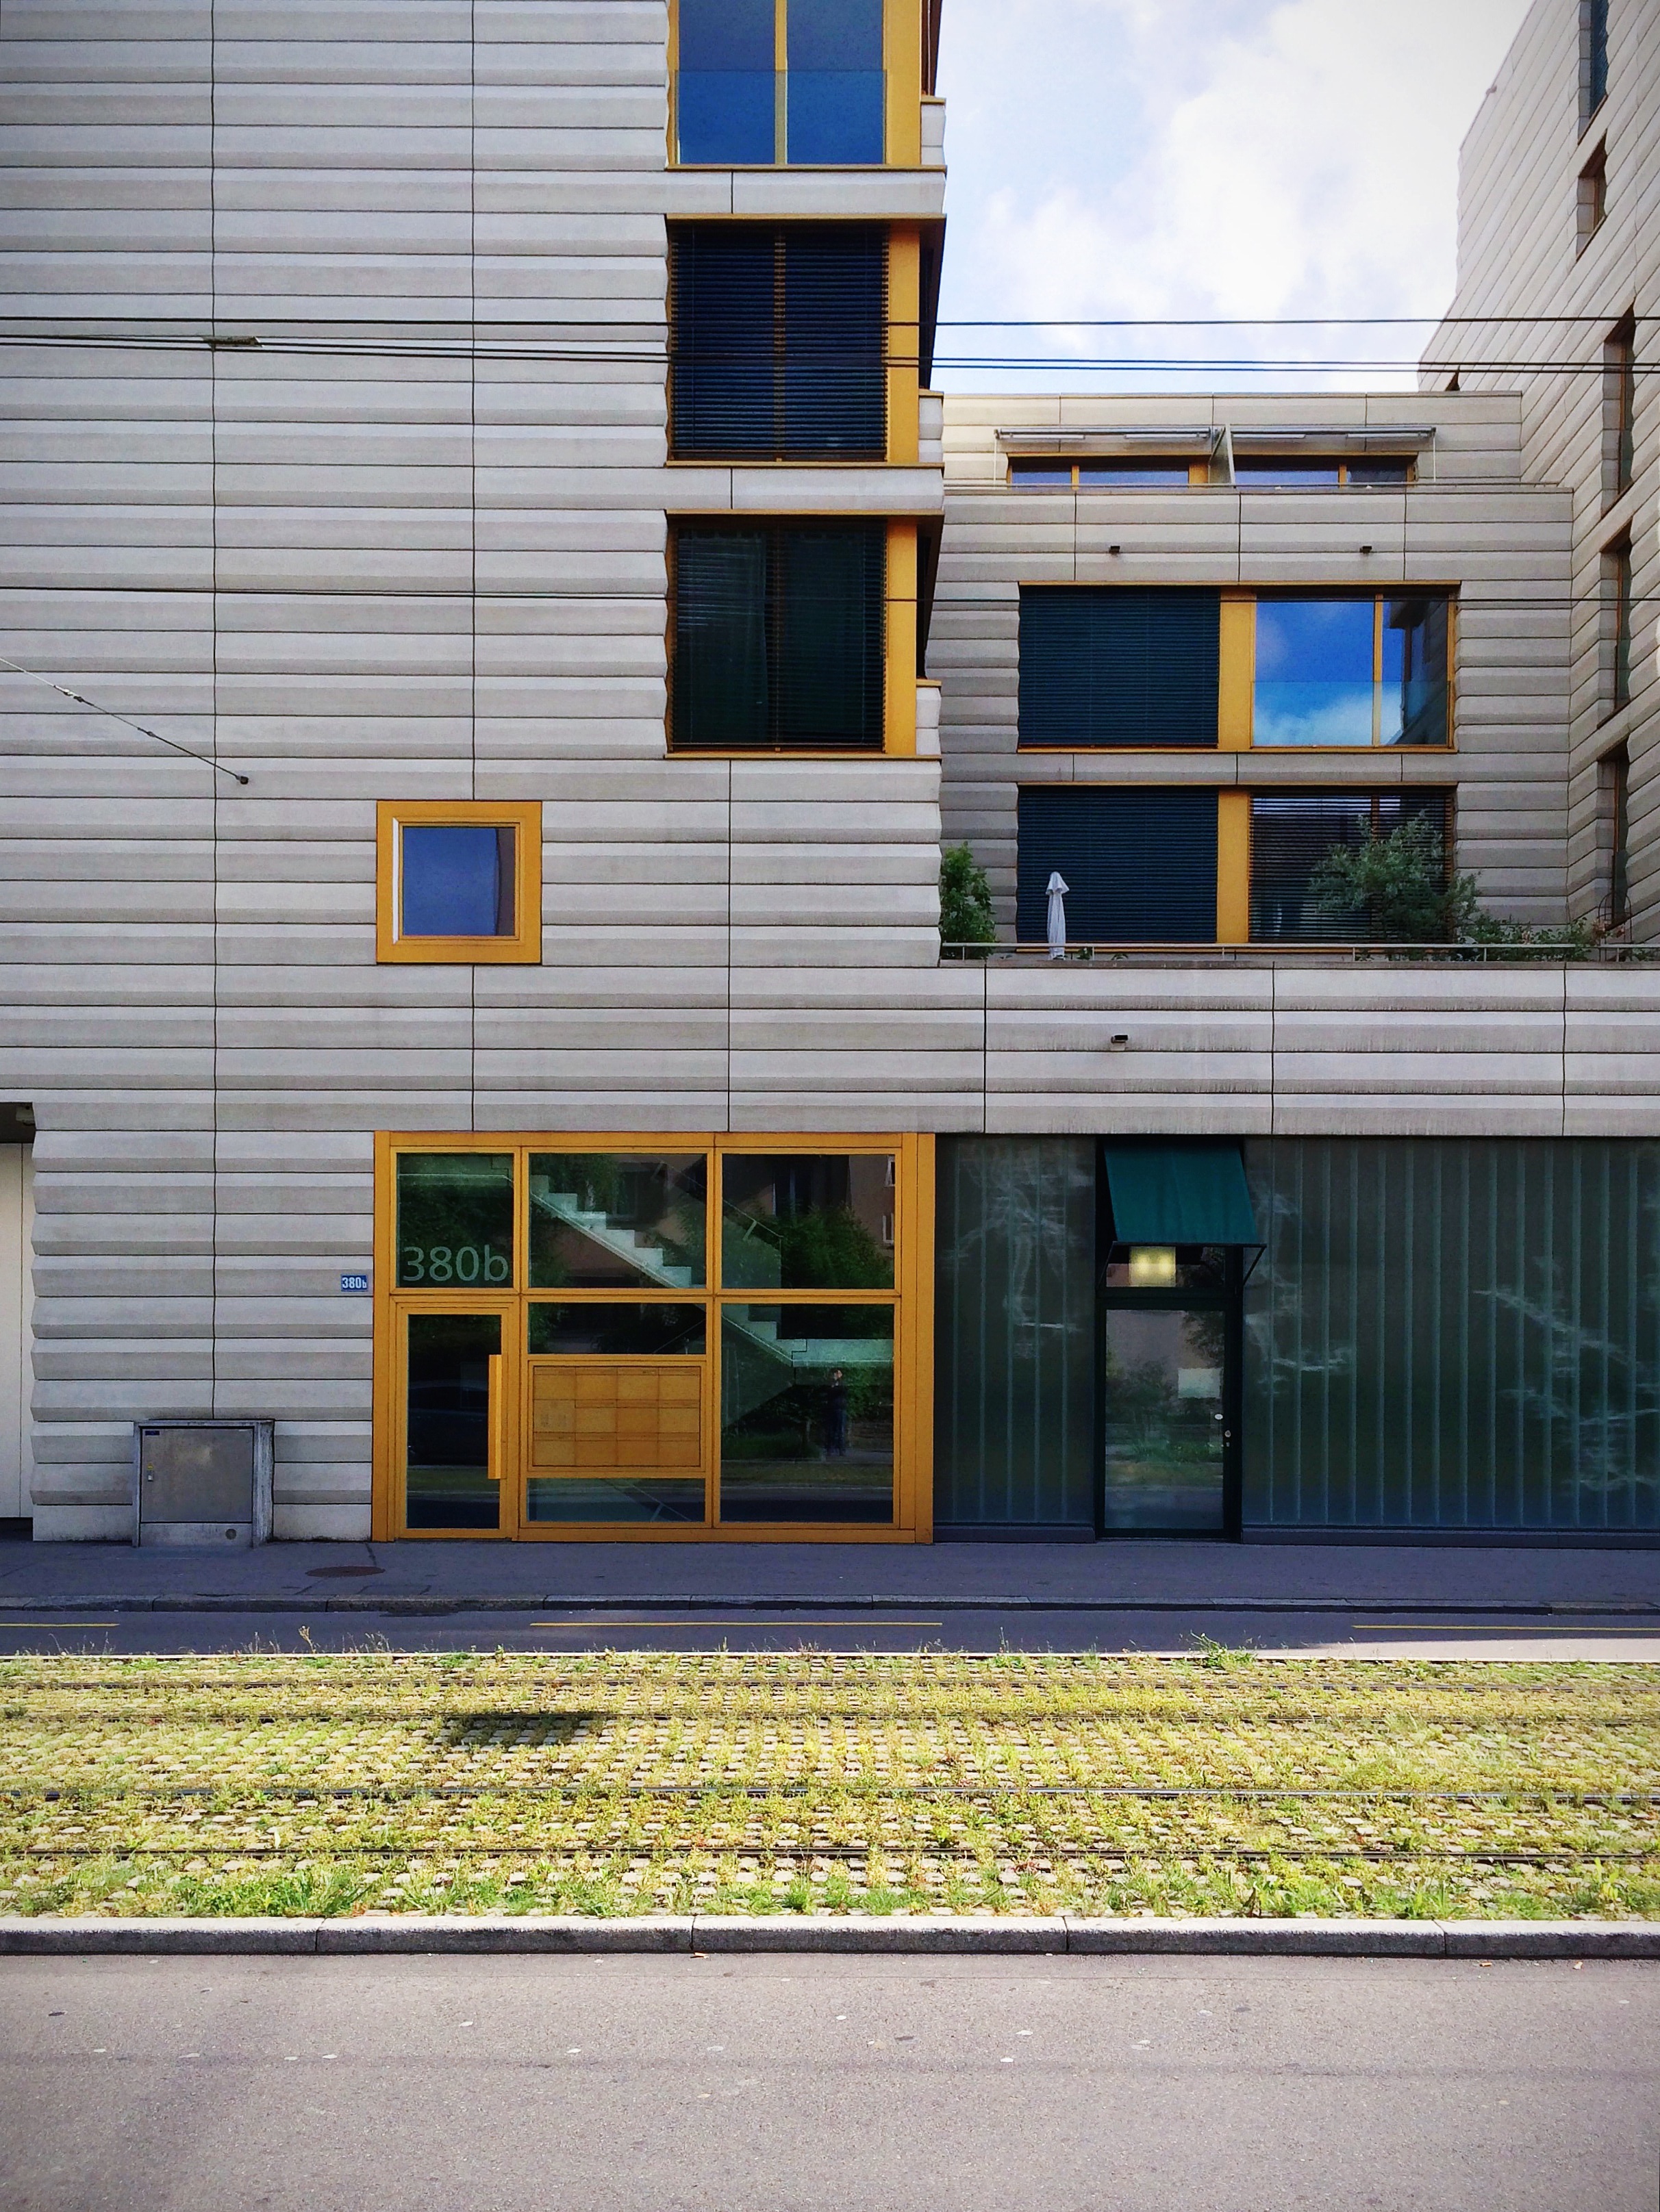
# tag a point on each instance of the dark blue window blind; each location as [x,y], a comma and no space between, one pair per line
[779,637]
[779,340]
[1291,832]
[1104,666]
[1140,865]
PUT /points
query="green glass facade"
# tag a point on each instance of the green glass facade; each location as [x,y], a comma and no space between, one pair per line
[1015,1335]
[1459,1337]
[1454,1335]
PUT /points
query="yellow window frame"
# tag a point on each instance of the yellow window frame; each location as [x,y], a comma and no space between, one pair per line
[1237,677]
[903,70]
[523,947]
[1198,471]
[902,338]
[900,673]
[911,1300]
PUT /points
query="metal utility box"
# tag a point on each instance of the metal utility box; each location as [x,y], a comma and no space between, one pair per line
[202,1482]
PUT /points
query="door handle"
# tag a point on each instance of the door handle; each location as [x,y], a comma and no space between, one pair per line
[493,1446]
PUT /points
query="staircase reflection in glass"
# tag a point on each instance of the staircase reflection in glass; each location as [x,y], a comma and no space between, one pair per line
[606,1221]
[806,1413]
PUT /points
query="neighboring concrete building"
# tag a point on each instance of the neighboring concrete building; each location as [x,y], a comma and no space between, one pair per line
[1558,291]
[501,435]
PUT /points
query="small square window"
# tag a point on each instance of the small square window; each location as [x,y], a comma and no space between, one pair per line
[459,881]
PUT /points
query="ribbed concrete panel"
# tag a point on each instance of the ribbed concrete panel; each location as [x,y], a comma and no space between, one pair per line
[1503,545]
[1525,252]
[366,557]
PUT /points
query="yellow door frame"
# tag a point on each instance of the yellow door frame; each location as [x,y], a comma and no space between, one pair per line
[911,1301]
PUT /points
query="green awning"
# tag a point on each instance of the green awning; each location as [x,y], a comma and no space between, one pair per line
[1179,1194]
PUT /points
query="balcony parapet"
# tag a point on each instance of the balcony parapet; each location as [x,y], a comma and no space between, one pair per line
[1615,955]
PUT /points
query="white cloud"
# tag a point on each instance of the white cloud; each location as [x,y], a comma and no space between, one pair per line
[1209,157]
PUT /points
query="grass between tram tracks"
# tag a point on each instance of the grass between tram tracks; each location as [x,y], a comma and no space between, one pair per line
[634,1783]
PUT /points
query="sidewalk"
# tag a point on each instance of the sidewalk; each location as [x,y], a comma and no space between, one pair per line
[1107,1576]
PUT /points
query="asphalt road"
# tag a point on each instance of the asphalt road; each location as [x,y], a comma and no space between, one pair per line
[830,2085]
[1380,1632]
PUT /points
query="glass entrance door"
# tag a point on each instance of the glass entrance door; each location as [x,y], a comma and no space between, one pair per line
[454,1407]
[1167,1434]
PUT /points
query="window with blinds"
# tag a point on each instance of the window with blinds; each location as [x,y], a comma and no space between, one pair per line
[778,344]
[1291,832]
[1140,865]
[1105,666]
[779,637]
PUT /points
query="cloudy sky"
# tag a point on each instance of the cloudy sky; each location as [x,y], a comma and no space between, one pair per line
[1205,157]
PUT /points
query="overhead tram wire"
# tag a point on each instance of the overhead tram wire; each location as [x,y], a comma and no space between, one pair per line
[1393,587]
[564,353]
[360,337]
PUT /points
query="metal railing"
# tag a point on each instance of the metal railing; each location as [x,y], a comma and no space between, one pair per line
[1609,952]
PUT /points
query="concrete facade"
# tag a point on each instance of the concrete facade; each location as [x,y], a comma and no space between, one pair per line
[1542,285]
[1466,519]
[339,455]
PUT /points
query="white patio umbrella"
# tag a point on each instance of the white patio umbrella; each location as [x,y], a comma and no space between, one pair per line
[1058,888]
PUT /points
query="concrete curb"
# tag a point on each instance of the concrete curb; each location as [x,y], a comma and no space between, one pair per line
[703,1935]
[414,1607]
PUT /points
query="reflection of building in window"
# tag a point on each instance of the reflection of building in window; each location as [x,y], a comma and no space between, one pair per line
[739,101]
[1137,666]
[1334,671]
[806,1221]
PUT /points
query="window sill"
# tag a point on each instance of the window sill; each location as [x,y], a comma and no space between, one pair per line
[1244,752]
[460,952]
[784,461]
[787,752]
[794,168]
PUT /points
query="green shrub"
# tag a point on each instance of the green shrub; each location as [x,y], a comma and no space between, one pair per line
[965,915]
[1396,889]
